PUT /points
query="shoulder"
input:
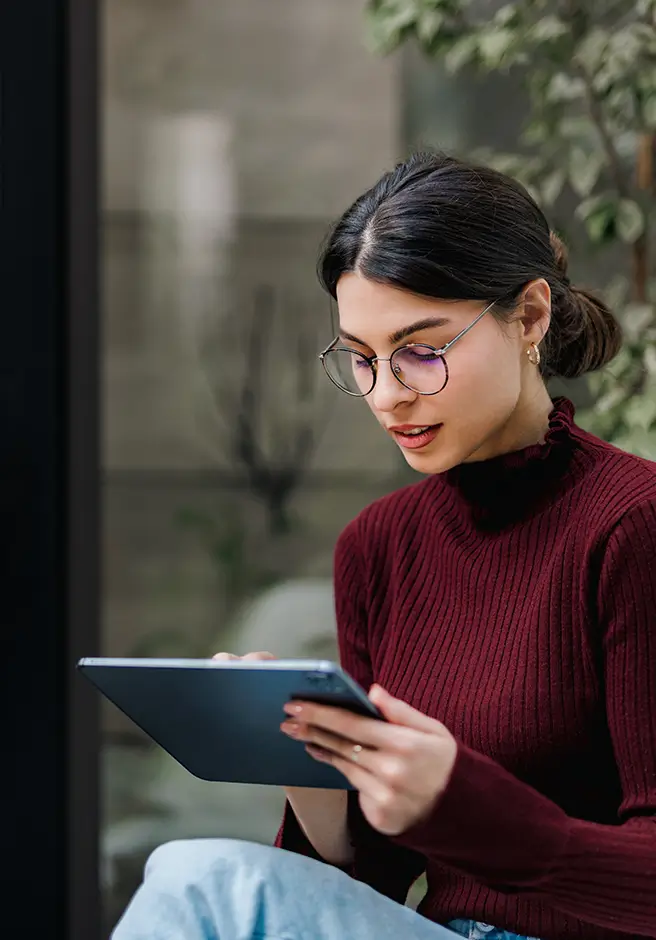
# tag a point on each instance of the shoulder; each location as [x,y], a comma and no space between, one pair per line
[617,485]
[381,523]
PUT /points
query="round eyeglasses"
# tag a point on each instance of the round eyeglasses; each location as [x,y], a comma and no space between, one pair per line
[417,366]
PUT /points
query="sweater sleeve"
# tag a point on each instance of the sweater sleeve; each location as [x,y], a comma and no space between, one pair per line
[385,865]
[506,834]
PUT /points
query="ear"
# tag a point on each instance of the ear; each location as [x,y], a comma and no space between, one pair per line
[535,304]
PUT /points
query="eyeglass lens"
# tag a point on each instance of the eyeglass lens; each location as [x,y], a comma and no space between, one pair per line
[418,367]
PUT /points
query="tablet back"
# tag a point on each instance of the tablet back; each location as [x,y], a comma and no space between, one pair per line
[221,721]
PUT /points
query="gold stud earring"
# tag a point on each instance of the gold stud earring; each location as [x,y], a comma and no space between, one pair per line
[533,354]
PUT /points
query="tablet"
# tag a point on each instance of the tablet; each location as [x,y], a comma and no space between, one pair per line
[221,720]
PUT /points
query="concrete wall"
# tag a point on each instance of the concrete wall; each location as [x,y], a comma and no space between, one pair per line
[233,133]
[312,116]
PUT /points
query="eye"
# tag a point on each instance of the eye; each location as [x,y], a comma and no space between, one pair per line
[422,354]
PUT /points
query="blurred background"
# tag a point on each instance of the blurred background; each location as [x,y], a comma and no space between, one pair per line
[233,133]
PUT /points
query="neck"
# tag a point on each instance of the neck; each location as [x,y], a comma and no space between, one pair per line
[499,490]
[527,425]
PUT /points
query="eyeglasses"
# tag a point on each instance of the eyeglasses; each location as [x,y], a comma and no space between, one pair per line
[417,366]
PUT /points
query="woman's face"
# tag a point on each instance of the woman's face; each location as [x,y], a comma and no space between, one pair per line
[491,402]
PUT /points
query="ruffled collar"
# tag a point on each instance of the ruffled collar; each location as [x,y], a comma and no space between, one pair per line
[500,491]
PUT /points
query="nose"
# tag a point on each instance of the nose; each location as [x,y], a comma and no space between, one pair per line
[388,392]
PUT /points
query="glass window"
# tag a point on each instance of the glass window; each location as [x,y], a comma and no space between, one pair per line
[233,134]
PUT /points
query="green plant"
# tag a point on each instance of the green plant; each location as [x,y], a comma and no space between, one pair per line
[589,69]
[624,411]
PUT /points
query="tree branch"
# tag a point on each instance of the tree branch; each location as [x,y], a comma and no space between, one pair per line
[597,117]
[578,15]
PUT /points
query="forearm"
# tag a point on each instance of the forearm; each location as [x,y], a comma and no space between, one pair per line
[322,815]
[509,836]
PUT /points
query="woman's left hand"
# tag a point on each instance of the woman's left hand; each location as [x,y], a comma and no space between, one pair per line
[400,766]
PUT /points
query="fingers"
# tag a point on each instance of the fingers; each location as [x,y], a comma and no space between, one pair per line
[249,657]
[400,713]
[357,775]
[387,766]
[341,747]
[344,724]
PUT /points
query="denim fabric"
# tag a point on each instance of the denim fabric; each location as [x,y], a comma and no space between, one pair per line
[221,889]
[475,930]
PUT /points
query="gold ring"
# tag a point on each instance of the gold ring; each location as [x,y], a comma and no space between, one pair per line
[355,753]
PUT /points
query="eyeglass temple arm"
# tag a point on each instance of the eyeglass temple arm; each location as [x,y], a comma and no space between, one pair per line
[329,347]
[443,348]
[467,328]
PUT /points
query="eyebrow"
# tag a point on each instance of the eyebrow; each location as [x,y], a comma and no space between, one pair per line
[404,332]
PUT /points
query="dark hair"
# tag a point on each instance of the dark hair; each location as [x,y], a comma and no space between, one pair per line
[442,228]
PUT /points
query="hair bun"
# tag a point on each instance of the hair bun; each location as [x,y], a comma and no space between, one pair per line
[585,335]
[561,258]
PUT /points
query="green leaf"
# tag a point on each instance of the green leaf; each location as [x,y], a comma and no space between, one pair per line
[507,15]
[548,29]
[508,163]
[635,320]
[630,221]
[461,53]
[552,186]
[650,360]
[627,46]
[617,291]
[592,49]
[621,364]
[626,144]
[429,24]
[388,23]
[584,169]
[493,44]
[638,441]
[645,7]
[599,214]
[577,128]
[537,133]
[601,225]
[564,88]
[610,400]
[640,412]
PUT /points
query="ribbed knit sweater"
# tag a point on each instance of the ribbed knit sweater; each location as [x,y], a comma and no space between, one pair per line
[515,600]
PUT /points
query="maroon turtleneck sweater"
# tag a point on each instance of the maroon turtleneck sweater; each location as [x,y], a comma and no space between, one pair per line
[515,601]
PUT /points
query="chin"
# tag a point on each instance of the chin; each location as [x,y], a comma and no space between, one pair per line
[430,464]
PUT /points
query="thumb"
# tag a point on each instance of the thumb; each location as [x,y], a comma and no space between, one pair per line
[400,713]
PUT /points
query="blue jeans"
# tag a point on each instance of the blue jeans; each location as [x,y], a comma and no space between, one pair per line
[222,889]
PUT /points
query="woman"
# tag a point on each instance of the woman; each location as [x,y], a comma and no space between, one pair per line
[503,608]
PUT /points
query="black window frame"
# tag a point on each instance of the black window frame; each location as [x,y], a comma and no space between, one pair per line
[50,420]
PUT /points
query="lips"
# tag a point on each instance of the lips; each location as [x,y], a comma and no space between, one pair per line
[411,429]
[414,436]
